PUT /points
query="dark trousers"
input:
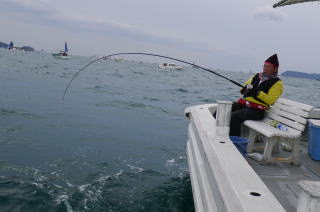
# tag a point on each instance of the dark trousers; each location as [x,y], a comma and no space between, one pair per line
[239,114]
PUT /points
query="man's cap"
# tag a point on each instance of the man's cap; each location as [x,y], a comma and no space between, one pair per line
[273,60]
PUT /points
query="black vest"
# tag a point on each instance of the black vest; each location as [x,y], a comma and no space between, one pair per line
[264,86]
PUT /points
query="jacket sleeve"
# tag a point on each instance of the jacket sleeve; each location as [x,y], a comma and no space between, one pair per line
[274,93]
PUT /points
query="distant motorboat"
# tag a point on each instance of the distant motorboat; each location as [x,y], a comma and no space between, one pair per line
[118,60]
[170,66]
[62,54]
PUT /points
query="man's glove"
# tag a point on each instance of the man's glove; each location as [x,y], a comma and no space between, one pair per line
[249,90]
[253,92]
[246,88]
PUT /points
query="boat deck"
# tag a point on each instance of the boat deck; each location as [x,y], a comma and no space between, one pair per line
[282,178]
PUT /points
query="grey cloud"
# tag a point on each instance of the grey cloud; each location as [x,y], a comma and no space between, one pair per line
[40,13]
[25,7]
[44,15]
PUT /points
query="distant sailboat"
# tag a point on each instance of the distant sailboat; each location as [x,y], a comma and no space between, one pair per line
[66,47]
[62,54]
[10,45]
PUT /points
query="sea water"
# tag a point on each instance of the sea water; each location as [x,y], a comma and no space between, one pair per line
[118,140]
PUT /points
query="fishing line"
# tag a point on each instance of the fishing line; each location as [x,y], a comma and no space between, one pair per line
[140,53]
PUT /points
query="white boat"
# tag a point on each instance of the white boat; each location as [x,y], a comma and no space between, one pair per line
[170,66]
[62,54]
[223,180]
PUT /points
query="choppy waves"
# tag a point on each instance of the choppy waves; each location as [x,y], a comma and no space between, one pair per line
[117,141]
[128,189]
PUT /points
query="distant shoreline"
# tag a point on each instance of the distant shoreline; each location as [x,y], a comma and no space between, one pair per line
[295,74]
[298,74]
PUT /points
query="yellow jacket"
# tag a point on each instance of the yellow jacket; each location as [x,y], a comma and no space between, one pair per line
[273,94]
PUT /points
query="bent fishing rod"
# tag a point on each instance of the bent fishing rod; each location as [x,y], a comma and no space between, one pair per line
[147,54]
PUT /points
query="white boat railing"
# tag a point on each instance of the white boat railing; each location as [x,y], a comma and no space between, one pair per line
[221,178]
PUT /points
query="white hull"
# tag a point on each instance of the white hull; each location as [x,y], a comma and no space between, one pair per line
[221,178]
[16,49]
[170,66]
[60,56]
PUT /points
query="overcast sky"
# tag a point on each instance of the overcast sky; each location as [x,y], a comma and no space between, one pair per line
[227,34]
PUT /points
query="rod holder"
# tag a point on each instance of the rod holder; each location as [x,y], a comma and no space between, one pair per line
[223,117]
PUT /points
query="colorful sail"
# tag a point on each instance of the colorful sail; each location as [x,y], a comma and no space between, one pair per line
[10,45]
[65,47]
[288,2]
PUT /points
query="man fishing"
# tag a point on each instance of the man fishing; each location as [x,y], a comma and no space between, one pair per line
[259,93]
